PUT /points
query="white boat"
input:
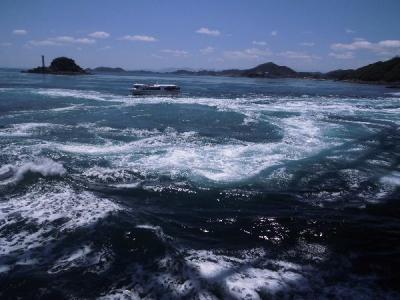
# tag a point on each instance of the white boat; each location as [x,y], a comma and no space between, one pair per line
[155,89]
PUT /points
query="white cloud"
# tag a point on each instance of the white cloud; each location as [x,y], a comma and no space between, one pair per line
[207,31]
[105,48]
[178,53]
[349,31]
[62,40]
[251,53]
[99,35]
[307,44]
[361,44]
[207,50]
[43,43]
[5,44]
[390,44]
[84,41]
[72,40]
[20,31]
[274,33]
[357,44]
[157,56]
[259,43]
[139,38]
[298,55]
[344,55]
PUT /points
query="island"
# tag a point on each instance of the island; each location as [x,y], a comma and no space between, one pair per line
[381,72]
[266,70]
[59,66]
[105,70]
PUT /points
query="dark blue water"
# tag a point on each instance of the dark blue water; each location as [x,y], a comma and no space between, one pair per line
[237,189]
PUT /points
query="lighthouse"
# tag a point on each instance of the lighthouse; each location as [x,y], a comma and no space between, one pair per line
[43,66]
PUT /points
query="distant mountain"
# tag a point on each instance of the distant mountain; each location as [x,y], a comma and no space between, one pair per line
[379,72]
[60,66]
[106,70]
[267,70]
[339,74]
[387,71]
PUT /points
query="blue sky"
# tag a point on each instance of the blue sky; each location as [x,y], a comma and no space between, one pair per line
[306,35]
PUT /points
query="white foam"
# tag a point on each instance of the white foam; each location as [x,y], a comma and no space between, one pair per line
[131,132]
[240,279]
[85,250]
[43,206]
[353,177]
[187,154]
[68,108]
[6,89]
[4,268]
[27,129]
[127,185]
[106,174]
[247,106]
[55,93]
[392,179]
[121,294]
[43,166]
[94,261]
[242,274]
[305,133]
[148,227]
[95,149]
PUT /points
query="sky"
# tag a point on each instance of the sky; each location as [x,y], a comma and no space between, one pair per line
[306,35]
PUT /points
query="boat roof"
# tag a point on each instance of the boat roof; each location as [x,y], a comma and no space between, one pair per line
[156,85]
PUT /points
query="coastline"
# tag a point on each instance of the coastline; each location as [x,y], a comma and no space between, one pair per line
[54,73]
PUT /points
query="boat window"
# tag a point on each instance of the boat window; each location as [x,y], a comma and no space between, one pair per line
[171,88]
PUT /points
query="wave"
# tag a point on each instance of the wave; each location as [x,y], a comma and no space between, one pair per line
[43,213]
[28,129]
[309,125]
[392,179]
[245,274]
[81,256]
[42,166]
[131,132]
[188,154]
[82,94]
[254,107]
[394,94]
[6,89]
[68,108]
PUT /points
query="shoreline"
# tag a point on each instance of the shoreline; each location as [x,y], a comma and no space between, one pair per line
[390,85]
[56,73]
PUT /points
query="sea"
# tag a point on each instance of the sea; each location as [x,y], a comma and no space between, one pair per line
[237,188]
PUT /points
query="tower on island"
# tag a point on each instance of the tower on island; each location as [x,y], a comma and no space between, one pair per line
[43,66]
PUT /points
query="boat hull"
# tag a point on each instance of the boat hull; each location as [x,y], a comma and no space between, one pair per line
[154,93]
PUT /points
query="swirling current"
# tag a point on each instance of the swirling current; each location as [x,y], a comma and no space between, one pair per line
[236,189]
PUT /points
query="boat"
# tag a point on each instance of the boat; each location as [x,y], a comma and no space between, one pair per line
[155,89]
